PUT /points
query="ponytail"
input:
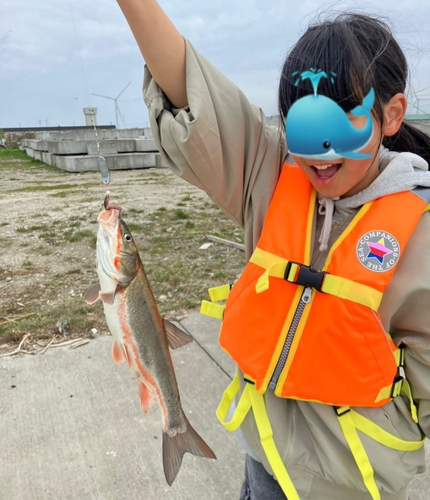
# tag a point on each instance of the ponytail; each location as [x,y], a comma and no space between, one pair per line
[409,140]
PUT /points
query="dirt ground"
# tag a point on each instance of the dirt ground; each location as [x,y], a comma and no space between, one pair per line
[47,247]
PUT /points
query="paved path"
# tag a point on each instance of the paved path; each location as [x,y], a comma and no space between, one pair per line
[71,427]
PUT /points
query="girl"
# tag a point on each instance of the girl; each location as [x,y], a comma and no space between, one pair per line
[342,257]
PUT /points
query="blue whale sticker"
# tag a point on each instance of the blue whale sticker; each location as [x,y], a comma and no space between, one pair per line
[318,128]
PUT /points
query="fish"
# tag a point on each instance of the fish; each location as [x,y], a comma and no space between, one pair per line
[141,336]
[318,128]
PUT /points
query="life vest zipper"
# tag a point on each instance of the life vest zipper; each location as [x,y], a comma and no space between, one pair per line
[304,300]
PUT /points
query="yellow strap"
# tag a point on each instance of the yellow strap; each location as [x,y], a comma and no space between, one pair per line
[399,387]
[350,290]
[391,391]
[265,259]
[334,285]
[406,389]
[266,436]
[357,449]
[219,293]
[383,437]
[427,208]
[251,399]
[242,408]
[211,309]
[276,270]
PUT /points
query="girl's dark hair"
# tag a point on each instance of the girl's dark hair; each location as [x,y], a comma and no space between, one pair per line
[362,52]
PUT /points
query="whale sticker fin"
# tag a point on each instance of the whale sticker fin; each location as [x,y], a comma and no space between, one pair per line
[354,155]
[367,104]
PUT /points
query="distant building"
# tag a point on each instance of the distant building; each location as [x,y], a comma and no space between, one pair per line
[421,122]
[90,116]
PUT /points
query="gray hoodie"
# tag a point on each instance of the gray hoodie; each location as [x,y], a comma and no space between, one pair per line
[222,144]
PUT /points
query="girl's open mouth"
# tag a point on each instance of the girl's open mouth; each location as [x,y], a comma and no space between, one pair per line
[324,173]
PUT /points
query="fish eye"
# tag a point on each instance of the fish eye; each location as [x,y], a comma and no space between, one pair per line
[128,237]
[326,144]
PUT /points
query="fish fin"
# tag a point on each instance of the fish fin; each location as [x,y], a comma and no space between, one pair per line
[109,297]
[127,356]
[145,397]
[174,448]
[117,353]
[92,295]
[175,336]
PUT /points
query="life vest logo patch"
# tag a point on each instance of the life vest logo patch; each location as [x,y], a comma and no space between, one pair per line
[378,251]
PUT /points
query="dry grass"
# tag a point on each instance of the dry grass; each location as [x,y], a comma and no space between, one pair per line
[47,241]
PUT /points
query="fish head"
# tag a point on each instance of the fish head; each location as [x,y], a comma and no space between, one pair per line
[117,254]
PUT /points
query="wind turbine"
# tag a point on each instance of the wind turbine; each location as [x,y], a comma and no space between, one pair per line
[115,99]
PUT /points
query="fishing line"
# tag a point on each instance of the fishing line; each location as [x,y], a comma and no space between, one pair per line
[101,162]
[79,51]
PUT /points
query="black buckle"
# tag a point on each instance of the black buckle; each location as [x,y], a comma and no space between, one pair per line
[341,410]
[308,276]
[400,377]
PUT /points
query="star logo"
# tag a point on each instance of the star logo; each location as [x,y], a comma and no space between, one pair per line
[378,251]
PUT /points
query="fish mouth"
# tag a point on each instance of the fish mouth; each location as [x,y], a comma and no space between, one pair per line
[110,216]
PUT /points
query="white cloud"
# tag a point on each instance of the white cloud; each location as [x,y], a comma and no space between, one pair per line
[52,52]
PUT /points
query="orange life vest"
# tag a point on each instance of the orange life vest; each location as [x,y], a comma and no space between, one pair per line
[317,336]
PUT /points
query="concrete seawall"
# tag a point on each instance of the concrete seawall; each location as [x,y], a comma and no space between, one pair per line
[76,150]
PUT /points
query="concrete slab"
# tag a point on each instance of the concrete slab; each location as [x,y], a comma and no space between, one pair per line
[106,148]
[47,158]
[73,428]
[124,161]
[126,145]
[143,144]
[88,134]
[37,155]
[70,147]
[113,147]
[35,144]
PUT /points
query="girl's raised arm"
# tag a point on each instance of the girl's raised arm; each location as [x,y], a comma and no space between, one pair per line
[161,44]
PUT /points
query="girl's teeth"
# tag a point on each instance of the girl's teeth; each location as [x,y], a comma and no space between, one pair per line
[323,167]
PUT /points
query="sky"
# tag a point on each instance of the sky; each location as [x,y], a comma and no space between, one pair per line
[54,55]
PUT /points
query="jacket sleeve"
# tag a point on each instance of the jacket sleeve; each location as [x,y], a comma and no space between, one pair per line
[220,142]
[407,302]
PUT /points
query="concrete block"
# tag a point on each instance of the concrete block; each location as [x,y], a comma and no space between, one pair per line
[30,152]
[37,155]
[129,133]
[106,148]
[159,161]
[48,158]
[145,144]
[126,161]
[68,147]
[42,146]
[126,145]
[35,144]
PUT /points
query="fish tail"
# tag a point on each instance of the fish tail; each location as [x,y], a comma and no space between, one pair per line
[174,448]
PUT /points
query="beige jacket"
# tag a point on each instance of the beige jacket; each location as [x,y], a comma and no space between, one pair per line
[222,144]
